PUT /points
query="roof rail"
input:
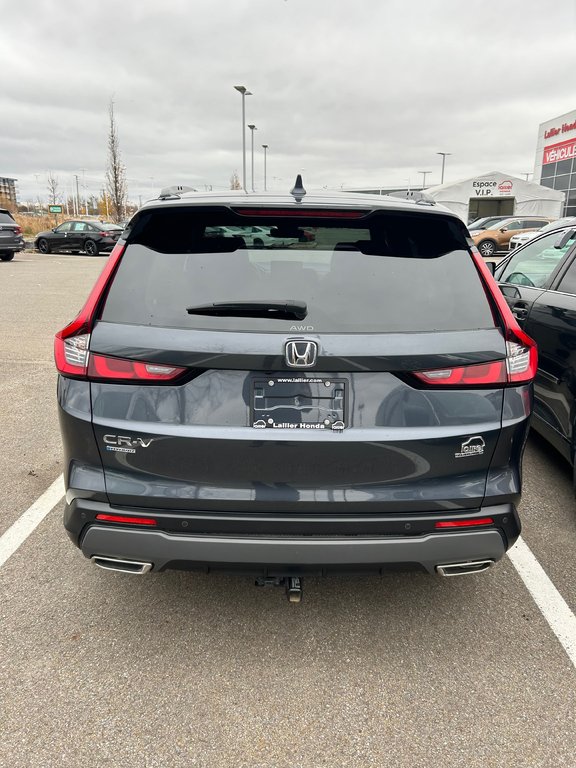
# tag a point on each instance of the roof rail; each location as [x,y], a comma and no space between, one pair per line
[174,191]
[415,195]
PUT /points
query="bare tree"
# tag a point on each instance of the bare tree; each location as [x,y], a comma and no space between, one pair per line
[115,172]
[53,187]
[235,181]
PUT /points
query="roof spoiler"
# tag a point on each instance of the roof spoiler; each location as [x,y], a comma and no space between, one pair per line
[415,195]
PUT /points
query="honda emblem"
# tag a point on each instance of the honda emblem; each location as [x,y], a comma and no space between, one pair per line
[301,353]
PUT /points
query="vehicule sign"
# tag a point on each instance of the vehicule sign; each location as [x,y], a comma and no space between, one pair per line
[55,208]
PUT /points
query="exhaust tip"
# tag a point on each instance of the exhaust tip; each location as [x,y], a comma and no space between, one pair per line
[124,566]
[464,569]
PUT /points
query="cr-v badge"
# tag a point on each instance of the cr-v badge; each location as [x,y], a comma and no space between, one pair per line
[126,444]
[301,353]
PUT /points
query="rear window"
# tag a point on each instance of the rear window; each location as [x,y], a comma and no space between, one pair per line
[5,218]
[377,273]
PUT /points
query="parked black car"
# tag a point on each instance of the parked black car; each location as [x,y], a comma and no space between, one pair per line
[538,281]
[355,401]
[11,239]
[92,237]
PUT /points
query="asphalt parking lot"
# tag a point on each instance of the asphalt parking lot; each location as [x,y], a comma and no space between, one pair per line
[187,670]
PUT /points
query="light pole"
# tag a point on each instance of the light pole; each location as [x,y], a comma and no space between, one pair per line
[241,89]
[424,174]
[444,156]
[252,129]
[265,148]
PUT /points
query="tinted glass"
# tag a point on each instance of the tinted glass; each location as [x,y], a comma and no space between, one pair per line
[534,263]
[568,282]
[5,218]
[562,182]
[564,166]
[379,274]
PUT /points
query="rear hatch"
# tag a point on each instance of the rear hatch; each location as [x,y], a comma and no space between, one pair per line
[351,362]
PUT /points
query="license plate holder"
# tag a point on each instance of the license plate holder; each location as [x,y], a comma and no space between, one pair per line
[299,402]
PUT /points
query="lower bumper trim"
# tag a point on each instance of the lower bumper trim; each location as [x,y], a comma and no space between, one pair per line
[163,549]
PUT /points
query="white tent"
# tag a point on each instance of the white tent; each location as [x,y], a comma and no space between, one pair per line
[529,199]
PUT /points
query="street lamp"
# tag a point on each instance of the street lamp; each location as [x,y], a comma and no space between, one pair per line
[252,129]
[424,174]
[265,148]
[444,156]
[241,89]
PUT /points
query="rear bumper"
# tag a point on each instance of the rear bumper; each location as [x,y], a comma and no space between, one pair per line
[284,554]
[14,245]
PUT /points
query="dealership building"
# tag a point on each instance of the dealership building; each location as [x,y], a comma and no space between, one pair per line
[555,164]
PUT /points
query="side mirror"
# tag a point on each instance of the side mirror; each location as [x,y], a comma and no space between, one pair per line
[563,240]
[504,229]
[491,266]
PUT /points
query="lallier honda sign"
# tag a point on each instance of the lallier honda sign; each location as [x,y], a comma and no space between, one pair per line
[560,150]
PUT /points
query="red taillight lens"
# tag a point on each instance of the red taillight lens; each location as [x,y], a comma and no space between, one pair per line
[114,368]
[522,353]
[521,361]
[18,231]
[72,342]
[464,523]
[466,376]
[126,519]
[71,353]
[522,358]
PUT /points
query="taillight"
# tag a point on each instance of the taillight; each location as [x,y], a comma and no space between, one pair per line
[302,213]
[522,356]
[18,231]
[521,361]
[466,375]
[120,369]
[521,350]
[72,342]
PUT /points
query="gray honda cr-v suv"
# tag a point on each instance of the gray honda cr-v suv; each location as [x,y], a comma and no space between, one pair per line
[352,394]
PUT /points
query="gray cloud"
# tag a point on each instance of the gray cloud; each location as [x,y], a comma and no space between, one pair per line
[354,93]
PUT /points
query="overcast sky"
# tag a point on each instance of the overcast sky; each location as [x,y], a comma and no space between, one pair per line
[348,92]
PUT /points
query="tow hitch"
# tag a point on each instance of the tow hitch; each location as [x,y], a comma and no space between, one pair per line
[292,584]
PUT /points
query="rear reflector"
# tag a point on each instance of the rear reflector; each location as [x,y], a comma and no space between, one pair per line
[301,213]
[464,523]
[126,519]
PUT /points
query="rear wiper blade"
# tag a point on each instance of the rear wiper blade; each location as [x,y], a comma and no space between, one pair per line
[273,309]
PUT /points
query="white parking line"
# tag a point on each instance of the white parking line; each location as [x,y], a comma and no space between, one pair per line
[29,520]
[550,602]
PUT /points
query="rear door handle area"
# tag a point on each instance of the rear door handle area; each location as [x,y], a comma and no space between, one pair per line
[520,310]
